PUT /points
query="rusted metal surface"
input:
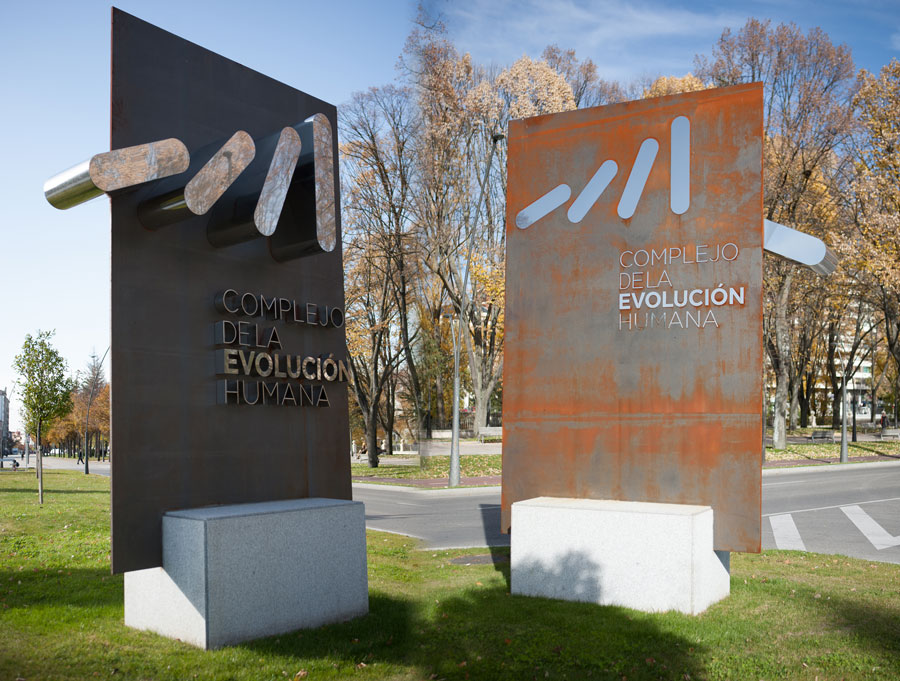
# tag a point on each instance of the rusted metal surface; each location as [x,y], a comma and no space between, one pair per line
[173,445]
[617,382]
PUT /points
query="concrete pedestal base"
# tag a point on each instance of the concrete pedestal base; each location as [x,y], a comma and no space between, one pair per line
[646,556]
[234,573]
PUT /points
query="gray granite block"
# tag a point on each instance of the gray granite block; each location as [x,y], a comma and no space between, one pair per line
[235,573]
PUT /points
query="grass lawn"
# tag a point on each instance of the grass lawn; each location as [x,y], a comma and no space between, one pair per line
[431,467]
[818,450]
[790,616]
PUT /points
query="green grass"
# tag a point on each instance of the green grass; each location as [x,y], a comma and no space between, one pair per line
[432,467]
[790,616]
[819,450]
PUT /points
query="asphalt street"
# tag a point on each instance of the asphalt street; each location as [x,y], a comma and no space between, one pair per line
[850,510]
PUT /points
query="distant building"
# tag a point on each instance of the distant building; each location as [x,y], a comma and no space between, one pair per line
[5,442]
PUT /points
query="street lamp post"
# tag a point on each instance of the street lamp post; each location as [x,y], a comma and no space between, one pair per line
[454,440]
[844,419]
[854,398]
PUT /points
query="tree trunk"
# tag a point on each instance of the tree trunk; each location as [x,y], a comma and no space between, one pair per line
[795,403]
[372,438]
[39,466]
[836,409]
[783,345]
[804,406]
[439,388]
[482,406]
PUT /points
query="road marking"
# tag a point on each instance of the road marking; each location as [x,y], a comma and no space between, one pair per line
[786,534]
[828,508]
[875,533]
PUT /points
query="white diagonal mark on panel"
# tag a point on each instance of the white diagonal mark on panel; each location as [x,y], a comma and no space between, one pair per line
[640,171]
[875,533]
[592,191]
[786,534]
[544,205]
[680,170]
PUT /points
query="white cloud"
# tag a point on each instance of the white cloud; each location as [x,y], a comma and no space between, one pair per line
[625,39]
[895,40]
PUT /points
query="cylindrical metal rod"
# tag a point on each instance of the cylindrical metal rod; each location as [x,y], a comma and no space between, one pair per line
[71,187]
[214,169]
[844,420]
[454,437]
[252,205]
[308,224]
[116,169]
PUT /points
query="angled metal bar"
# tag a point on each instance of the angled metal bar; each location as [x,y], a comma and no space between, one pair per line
[214,169]
[307,225]
[798,247]
[116,169]
[252,206]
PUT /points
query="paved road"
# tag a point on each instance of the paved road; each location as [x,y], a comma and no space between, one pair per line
[852,510]
[441,518]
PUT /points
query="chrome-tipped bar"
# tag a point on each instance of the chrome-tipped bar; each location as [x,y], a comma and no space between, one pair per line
[307,225]
[252,206]
[291,200]
[798,247]
[116,169]
[221,165]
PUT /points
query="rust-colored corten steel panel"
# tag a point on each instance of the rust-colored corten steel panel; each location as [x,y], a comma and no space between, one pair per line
[173,445]
[622,379]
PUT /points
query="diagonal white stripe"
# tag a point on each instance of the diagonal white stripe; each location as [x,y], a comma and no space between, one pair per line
[786,534]
[875,533]
[544,205]
[592,191]
[640,171]
[680,175]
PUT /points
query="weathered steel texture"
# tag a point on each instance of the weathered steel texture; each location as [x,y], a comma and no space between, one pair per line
[666,413]
[173,446]
[117,169]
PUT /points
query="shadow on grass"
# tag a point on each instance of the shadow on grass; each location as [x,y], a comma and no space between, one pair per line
[875,627]
[79,587]
[856,445]
[487,634]
[51,490]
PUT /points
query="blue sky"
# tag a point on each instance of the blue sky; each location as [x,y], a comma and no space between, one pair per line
[54,273]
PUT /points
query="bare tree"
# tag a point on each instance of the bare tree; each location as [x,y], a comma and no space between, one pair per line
[809,88]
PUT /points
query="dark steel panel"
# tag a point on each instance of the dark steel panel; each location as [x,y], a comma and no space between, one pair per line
[173,445]
[667,413]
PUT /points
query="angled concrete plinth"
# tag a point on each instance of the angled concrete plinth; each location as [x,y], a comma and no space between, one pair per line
[235,573]
[647,556]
